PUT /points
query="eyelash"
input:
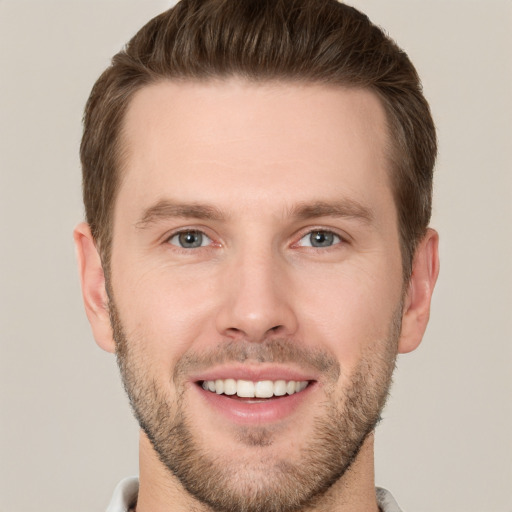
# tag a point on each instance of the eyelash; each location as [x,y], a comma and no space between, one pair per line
[337,239]
[189,231]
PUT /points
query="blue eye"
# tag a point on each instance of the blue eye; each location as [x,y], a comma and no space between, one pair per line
[190,239]
[319,238]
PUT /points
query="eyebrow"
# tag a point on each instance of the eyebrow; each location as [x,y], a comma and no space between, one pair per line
[165,209]
[345,208]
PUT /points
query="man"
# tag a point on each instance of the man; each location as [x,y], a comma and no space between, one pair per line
[257,184]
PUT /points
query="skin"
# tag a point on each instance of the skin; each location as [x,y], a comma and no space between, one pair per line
[256,154]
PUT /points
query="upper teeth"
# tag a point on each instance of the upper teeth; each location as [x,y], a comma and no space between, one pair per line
[259,389]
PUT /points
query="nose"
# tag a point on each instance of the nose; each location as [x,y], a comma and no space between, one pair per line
[257,298]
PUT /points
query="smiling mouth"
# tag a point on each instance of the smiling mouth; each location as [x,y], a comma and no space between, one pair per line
[248,389]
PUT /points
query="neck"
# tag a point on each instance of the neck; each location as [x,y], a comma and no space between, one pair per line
[160,491]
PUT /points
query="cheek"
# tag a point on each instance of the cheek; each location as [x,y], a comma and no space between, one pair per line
[165,311]
[350,311]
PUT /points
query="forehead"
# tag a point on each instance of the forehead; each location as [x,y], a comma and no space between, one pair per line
[270,142]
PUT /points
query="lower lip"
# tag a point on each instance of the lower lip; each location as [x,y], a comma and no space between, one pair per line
[250,413]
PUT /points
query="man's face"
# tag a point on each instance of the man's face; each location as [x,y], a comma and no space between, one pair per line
[256,251]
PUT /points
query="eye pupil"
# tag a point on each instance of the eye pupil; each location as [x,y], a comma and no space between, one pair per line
[190,239]
[321,239]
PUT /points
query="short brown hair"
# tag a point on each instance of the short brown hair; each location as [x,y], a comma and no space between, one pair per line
[311,41]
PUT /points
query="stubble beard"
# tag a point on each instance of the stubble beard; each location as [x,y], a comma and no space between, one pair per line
[270,483]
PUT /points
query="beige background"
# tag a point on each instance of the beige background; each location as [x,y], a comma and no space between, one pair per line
[67,435]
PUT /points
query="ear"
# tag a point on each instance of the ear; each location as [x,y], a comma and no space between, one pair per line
[94,292]
[425,269]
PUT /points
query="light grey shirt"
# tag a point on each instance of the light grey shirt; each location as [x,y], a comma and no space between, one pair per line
[125,496]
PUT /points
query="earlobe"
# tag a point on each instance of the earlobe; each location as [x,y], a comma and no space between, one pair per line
[94,293]
[416,311]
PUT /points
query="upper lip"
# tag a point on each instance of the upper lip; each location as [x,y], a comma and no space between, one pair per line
[253,372]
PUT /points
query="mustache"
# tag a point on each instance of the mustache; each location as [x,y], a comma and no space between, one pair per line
[277,350]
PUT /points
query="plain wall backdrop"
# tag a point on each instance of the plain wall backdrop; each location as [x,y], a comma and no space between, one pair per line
[67,435]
